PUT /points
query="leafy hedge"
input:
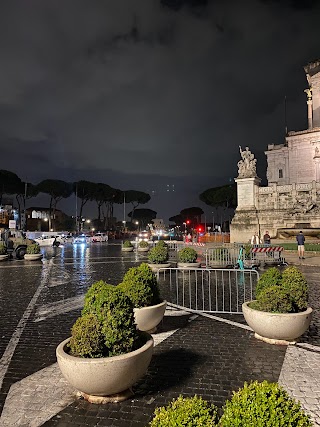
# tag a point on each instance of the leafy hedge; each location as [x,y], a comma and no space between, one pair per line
[185,411]
[127,244]
[107,326]
[263,404]
[3,249]
[187,255]
[33,249]
[141,286]
[285,292]
[256,404]
[158,255]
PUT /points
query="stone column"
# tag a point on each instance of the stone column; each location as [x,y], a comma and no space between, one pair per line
[309,103]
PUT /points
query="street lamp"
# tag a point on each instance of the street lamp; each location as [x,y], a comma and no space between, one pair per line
[185,227]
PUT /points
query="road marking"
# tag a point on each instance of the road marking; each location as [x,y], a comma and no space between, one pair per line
[10,349]
[59,307]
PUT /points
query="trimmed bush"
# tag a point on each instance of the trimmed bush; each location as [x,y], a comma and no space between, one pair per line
[143,244]
[33,249]
[185,411]
[281,293]
[158,255]
[127,244]
[273,300]
[294,283]
[114,311]
[271,277]
[141,286]
[162,243]
[187,255]
[3,248]
[87,338]
[263,404]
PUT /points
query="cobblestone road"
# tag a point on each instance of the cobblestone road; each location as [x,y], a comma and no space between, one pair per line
[194,354]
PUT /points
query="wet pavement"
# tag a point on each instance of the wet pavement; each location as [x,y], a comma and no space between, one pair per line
[206,355]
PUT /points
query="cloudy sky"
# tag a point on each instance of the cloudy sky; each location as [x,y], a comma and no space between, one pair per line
[142,94]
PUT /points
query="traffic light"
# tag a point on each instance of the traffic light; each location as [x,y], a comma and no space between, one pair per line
[188,221]
[199,229]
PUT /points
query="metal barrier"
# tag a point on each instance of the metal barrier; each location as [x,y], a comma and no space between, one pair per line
[221,257]
[208,290]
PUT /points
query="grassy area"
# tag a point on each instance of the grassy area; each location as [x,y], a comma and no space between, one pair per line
[312,247]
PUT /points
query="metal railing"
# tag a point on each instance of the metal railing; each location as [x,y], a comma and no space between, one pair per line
[208,290]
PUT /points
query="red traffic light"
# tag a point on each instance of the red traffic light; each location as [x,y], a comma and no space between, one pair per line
[199,229]
[188,221]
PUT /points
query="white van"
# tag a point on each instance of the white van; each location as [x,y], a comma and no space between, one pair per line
[100,237]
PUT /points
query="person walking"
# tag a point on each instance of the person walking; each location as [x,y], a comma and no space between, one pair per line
[300,240]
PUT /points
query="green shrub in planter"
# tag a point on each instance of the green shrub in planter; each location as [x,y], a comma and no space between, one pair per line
[141,286]
[294,283]
[273,300]
[271,277]
[263,404]
[114,310]
[162,243]
[186,411]
[187,255]
[127,244]
[33,249]
[287,293]
[87,338]
[158,255]
[143,244]
[3,248]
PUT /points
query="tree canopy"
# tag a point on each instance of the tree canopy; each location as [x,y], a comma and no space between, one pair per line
[225,196]
[144,216]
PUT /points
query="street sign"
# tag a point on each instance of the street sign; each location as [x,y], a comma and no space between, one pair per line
[12,223]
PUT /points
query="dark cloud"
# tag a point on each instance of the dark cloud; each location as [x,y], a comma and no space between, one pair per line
[165,90]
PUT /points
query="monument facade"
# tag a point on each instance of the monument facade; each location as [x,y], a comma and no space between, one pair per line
[291,201]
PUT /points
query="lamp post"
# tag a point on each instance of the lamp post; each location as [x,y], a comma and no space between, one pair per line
[185,227]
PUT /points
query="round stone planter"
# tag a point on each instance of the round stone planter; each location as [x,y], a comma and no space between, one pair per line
[156,267]
[105,376]
[148,318]
[142,249]
[188,264]
[32,257]
[130,249]
[277,326]
[4,257]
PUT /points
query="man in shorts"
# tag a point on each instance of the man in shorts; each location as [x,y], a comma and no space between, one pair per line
[300,241]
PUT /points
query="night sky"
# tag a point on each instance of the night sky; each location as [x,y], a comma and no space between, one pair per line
[150,94]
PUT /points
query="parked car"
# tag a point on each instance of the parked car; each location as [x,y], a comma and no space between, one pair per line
[82,238]
[100,237]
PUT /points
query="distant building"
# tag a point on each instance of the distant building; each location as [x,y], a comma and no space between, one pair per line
[291,201]
[298,159]
[158,224]
[38,218]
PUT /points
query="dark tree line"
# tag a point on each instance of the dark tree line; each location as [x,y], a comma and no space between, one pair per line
[104,195]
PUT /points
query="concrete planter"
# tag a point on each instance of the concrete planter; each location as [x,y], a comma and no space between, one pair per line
[156,267]
[127,249]
[104,376]
[142,249]
[148,318]
[4,257]
[277,326]
[188,264]
[32,257]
